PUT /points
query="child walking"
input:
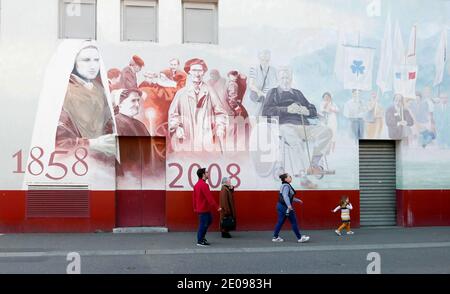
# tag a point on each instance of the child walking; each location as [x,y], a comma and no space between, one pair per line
[345,206]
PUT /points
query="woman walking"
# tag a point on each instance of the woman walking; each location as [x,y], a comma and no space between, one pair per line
[228,212]
[285,210]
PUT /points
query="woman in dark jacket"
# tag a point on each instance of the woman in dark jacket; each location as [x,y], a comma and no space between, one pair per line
[227,205]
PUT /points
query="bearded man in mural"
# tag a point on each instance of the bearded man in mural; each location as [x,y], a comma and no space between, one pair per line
[294,111]
[86,118]
[197,121]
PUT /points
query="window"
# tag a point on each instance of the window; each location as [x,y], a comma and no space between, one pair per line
[78,19]
[200,22]
[139,20]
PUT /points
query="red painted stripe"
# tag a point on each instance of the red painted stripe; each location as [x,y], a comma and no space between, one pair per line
[141,208]
[423,208]
[13,217]
[255,210]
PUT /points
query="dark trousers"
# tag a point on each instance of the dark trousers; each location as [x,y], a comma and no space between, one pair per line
[281,209]
[205,221]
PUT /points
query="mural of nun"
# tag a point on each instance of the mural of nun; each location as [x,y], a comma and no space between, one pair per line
[74,113]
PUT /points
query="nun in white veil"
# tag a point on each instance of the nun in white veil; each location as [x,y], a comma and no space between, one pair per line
[75,112]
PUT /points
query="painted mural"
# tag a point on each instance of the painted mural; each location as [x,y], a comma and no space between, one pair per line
[74,138]
[252,112]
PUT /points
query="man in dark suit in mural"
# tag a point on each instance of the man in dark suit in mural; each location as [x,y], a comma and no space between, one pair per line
[294,112]
[399,120]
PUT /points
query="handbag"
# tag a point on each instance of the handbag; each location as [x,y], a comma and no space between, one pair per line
[228,223]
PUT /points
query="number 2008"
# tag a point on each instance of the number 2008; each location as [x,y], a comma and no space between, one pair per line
[232,170]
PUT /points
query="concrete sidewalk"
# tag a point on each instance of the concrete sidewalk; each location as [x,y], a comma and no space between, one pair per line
[401,250]
[184,243]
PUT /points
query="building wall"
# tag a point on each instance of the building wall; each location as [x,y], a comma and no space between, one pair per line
[306,37]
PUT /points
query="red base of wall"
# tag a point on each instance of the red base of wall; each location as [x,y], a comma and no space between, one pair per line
[256,210]
[417,208]
[142,208]
[13,218]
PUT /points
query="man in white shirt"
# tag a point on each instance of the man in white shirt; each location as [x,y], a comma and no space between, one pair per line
[355,111]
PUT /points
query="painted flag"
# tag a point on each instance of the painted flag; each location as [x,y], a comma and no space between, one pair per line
[411,56]
[440,58]
[399,55]
[339,58]
[358,67]
[405,77]
[384,75]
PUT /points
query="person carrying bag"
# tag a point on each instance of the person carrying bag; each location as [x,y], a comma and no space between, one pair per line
[228,213]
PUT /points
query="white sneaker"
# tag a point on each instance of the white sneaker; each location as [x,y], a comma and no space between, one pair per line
[303,239]
[338,233]
[277,239]
[350,233]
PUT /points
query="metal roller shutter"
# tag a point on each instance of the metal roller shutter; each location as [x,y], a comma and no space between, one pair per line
[377,183]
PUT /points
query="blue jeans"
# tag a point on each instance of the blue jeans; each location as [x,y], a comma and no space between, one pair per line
[357,127]
[281,209]
[205,222]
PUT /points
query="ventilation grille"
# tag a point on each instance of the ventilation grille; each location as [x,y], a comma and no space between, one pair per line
[62,201]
